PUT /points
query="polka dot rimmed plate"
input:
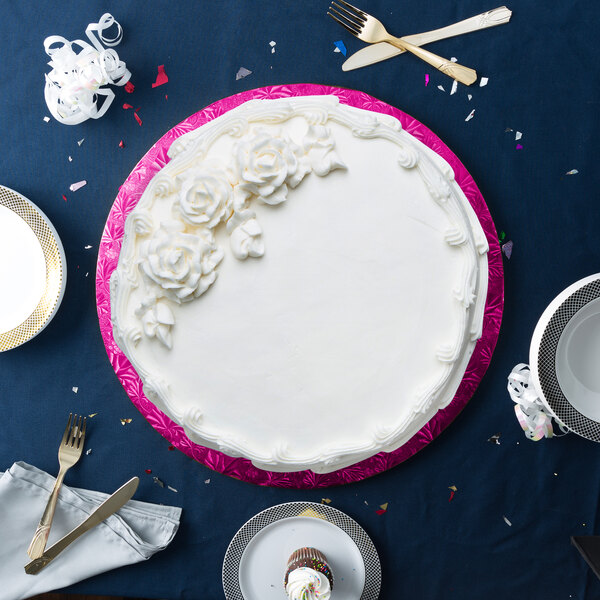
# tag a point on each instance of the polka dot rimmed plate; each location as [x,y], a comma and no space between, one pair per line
[256,559]
[33,272]
[564,356]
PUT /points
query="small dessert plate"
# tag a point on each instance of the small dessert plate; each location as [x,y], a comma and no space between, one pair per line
[256,559]
[32,270]
[565,354]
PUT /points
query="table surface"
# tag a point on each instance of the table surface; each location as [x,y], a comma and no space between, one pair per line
[543,81]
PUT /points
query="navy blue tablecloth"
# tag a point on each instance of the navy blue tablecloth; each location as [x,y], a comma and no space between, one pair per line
[544,79]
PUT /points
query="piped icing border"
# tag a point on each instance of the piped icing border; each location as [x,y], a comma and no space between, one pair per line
[241,468]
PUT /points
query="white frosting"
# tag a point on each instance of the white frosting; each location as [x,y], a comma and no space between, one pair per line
[347,304]
[305,583]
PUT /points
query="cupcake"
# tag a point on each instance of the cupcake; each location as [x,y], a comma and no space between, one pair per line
[308,576]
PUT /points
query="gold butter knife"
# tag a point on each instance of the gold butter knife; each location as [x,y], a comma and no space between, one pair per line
[377,52]
[111,505]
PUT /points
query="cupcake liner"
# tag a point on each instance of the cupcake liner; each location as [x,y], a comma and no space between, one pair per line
[311,558]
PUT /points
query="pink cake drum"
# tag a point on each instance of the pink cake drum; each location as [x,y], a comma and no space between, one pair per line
[241,468]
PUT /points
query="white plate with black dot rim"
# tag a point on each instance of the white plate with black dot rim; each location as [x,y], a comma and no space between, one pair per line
[256,559]
[565,357]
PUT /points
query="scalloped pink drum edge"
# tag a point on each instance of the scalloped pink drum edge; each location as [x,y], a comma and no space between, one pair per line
[240,468]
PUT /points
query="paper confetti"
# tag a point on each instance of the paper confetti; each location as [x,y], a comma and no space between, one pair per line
[325,500]
[92,415]
[518,136]
[519,147]
[454,87]
[242,72]
[207,481]
[382,508]
[441,87]
[507,249]
[161,77]
[171,488]
[126,421]
[471,115]
[64,197]
[88,451]
[483,82]
[502,236]
[426,79]
[340,47]
[171,447]
[75,186]
[508,130]
[121,144]
[507,521]
[75,389]
[148,471]
[495,439]
[127,106]
[129,87]
[453,489]
[80,141]
[272,44]
[572,172]
[70,159]
[47,119]
[137,118]
[87,247]
[470,97]
[157,481]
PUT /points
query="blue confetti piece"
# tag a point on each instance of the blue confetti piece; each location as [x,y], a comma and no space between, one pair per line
[341,47]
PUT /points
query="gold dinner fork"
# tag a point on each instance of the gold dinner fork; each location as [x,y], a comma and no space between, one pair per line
[370,30]
[69,453]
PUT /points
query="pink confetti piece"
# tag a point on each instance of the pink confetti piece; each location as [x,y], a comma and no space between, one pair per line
[382,509]
[129,87]
[79,184]
[121,144]
[452,492]
[161,77]
[519,147]
[127,106]
[64,197]
[171,447]
[148,471]
[137,118]
[426,79]
[507,249]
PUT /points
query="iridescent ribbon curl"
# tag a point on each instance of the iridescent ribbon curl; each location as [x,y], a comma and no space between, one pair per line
[533,416]
[74,86]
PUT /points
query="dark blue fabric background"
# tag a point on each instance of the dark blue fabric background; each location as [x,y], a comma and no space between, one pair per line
[543,80]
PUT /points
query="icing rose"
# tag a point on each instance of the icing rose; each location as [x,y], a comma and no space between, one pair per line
[182,264]
[205,196]
[266,164]
[245,235]
[319,146]
[157,320]
[305,583]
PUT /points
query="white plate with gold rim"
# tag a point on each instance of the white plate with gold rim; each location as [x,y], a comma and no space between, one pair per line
[256,559]
[33,272]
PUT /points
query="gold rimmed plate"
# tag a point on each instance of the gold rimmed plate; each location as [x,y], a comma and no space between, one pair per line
[33,272]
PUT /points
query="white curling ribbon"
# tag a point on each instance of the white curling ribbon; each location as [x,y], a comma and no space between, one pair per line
[75,84]
[533,416]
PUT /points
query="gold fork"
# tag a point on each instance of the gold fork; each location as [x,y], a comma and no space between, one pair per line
[370,30]
[69,453]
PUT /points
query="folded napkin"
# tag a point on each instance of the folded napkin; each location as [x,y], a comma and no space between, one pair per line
[132,534]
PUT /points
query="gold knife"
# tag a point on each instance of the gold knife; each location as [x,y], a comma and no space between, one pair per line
[111,505]
[374,53]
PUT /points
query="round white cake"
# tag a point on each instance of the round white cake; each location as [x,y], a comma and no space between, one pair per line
[302,284]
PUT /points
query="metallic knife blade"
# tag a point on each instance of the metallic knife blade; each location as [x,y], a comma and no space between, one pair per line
[111,505]
[377,52]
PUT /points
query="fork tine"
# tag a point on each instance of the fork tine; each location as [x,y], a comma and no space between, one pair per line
[348,15]
[66,434]
[348,28]
[358,12]
[82,436]
[74,431]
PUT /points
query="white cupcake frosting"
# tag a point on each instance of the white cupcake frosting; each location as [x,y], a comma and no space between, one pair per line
[305,583]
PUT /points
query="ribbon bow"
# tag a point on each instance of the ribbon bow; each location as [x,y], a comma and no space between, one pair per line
[74,86]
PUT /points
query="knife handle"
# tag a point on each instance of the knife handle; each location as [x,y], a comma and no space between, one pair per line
[491,18]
